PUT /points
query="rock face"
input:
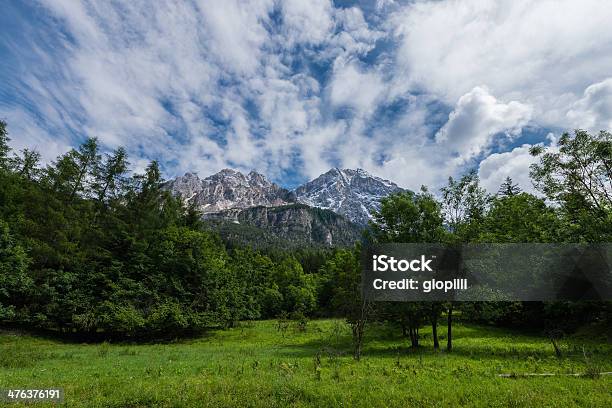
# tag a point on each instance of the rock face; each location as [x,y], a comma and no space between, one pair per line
[298,225]
[229,189]
[330,210]
[351,193]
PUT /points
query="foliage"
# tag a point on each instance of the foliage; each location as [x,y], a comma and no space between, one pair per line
[520,218]
[408,217]
[578,176]
[508,188]
[464,204]
[344,269]
[86,248]
[15,282]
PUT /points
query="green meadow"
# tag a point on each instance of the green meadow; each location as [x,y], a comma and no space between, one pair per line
[264,364]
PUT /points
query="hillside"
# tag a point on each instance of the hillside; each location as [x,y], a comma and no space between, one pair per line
[288,226]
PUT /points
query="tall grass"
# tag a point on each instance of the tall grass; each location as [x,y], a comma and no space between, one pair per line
[260,365]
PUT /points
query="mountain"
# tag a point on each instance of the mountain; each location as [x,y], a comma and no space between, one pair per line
[229,189]
[330,210]
[287,226]
[351,193]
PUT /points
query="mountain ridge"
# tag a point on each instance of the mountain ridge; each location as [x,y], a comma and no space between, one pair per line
[352,193]
[228,189]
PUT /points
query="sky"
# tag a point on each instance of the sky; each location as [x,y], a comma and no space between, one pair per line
[411,91]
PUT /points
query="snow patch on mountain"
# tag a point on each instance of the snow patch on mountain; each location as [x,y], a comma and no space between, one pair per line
[229,189]
[356,194]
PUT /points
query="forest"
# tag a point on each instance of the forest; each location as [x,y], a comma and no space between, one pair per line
[89,250]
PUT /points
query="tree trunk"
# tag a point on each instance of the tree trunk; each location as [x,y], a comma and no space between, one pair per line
[557,349]
[434,326]
[358,330]
[414,337]
[358,339]
[449,336]
[77,184]
[434,331]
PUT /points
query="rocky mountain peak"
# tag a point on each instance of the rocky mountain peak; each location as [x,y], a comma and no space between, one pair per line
[354,193]
[257,178]
[229,188]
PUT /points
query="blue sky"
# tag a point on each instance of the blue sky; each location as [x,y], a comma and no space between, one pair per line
[412,91]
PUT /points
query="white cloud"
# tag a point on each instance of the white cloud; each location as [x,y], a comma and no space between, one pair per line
[317,148]
[477,117]
[235,31]
[354,88]
[309,22]
[515,164]
[284,86]
[148,75]
[538,52]
[354,35]
[594,110]
[26,133]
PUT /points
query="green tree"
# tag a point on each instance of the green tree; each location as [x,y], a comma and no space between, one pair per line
[262,294]
[298,289]
[4,146]
[508,188]
[408,217]
[27,165]
[578,176]
[464,203]
[520,218]
[15,283]
[69,174]
[345,267]
[110,175]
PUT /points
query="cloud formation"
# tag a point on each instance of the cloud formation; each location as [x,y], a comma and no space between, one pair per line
[476,119]
[594,110]
[414,91]
[495,168]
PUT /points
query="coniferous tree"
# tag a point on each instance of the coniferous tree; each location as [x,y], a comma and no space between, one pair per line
[16,284]
[27,165]
[87,161]
[110,176]
[4,146]
[508,188]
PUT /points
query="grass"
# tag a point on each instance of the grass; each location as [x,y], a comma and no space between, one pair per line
[257,365]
